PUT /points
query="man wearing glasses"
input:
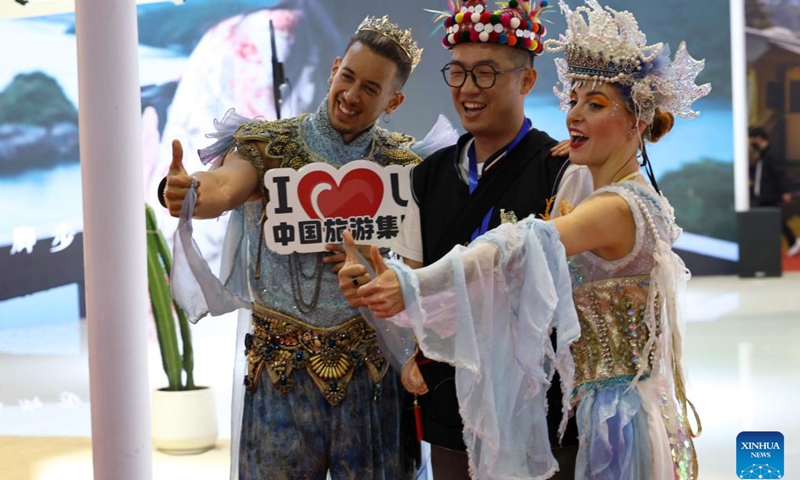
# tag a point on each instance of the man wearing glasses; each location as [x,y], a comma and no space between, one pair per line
[501,169]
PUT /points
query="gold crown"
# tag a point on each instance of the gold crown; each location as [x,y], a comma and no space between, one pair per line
[391,31]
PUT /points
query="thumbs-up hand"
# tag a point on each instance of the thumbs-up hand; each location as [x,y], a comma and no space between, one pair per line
[352,274]
[178,182]
[383,295]
[336,256]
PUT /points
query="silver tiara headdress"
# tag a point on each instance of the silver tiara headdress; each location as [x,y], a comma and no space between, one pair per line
[396,34]
[604,45]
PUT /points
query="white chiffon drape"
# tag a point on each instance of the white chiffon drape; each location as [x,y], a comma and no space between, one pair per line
[490,310]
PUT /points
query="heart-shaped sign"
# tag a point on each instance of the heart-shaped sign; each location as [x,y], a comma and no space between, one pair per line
[311,207]
[358,194]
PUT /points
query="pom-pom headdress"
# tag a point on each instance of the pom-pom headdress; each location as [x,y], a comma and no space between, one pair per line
[399,36]
[604,45]
[515,23]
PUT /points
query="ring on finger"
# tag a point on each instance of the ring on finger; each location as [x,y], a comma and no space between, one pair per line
[355,281]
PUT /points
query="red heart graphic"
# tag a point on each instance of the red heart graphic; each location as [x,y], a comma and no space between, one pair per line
[359,194]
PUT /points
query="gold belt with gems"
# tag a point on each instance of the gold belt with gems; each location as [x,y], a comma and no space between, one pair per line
[281,344]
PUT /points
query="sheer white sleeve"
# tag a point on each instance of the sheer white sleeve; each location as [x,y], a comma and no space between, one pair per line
[489,309]
[193,285]
[575,186]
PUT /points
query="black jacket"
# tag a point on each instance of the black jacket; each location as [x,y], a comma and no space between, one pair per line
[522,181]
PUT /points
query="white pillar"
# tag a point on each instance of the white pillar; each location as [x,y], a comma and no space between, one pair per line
[740,104]
[114,237]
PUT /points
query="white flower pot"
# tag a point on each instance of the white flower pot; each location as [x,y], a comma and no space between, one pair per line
[184,422]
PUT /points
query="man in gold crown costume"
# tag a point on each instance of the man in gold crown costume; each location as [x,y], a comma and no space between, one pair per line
[320,396]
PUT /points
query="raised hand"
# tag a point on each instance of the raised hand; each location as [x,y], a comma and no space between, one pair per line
[352,274]
[336,256]
[561,149]
[383,295]
[178,182]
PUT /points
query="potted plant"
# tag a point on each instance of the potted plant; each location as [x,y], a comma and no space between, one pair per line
[184,418]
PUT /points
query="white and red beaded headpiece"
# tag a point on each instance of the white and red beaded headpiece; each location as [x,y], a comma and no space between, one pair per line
[515,23]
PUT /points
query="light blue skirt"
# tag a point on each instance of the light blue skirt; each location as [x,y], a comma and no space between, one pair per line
[631,434]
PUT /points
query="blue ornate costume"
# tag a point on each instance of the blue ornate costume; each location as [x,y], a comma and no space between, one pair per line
[320,396]
[319,393]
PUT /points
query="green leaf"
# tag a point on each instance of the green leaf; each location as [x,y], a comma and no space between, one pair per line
[162,306]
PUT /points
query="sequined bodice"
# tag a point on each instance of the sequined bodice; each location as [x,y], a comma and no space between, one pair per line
[611,296]
[613,330]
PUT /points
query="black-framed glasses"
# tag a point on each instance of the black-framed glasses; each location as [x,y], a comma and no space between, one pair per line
[484,75]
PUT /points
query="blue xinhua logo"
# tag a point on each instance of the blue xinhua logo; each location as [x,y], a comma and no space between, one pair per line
[759,455]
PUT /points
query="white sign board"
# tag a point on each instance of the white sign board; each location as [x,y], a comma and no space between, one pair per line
[313,206]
